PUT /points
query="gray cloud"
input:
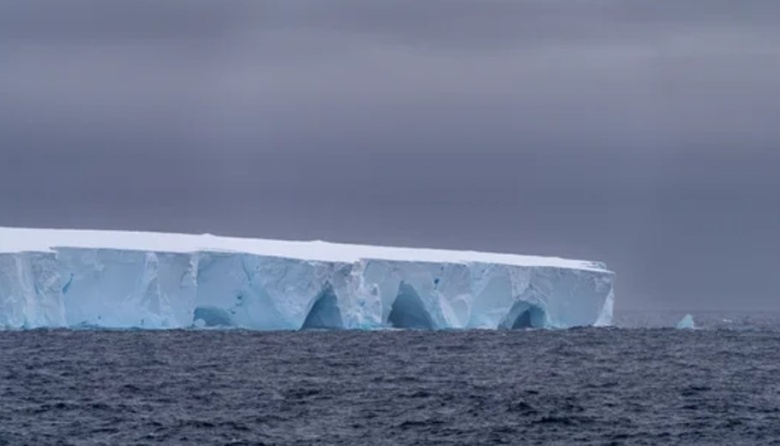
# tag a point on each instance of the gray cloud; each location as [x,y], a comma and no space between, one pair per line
[89,21]
[634,132]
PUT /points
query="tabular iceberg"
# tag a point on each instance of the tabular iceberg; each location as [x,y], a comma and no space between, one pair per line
[113,279]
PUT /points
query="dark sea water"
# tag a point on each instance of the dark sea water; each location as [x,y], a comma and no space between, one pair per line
[579,386]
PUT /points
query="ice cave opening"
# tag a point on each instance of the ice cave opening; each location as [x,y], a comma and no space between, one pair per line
[325,313]
[211,317]
[524,315]
[408,310]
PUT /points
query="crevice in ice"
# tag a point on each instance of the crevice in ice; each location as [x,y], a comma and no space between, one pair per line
[246,271]
[67,285]
[408,310]
[524,315]
[325,313]
[211,317]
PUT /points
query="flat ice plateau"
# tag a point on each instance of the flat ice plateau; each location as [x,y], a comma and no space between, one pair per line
[114,279]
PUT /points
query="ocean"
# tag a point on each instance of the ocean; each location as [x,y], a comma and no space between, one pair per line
[641,384]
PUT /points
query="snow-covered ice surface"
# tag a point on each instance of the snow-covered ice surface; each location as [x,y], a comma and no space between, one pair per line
[115,279]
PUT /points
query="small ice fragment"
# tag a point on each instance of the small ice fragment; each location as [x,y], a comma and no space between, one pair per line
[686,323]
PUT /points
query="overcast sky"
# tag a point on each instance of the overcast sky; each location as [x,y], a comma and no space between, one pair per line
[642,133]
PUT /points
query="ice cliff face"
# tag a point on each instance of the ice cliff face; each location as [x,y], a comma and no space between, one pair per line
[60,278]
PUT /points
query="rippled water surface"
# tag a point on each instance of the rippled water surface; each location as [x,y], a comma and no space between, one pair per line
[581,386]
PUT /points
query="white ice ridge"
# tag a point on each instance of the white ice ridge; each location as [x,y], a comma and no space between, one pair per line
[116,279]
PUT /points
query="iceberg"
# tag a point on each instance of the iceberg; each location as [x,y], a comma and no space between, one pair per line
[686,323]
[117,279]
